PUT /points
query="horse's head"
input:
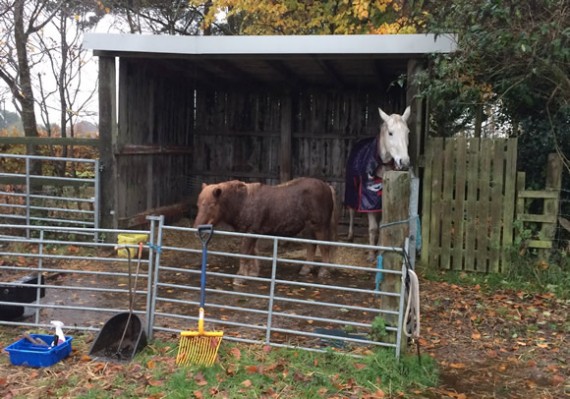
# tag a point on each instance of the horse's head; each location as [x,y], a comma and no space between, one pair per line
[394,139]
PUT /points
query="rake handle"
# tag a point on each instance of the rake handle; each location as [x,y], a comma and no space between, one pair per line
[205,232]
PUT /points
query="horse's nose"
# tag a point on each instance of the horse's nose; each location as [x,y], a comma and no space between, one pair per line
[402,163]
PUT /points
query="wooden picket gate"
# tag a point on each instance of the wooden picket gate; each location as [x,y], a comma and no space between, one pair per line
[469,191]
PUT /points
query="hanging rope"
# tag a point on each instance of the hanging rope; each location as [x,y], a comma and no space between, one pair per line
[412,314]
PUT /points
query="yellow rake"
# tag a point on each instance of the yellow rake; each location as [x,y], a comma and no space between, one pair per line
[200,347]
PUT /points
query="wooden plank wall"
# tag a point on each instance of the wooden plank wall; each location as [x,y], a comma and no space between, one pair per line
[238,135]
[176,133]
[468,203]
[153,146]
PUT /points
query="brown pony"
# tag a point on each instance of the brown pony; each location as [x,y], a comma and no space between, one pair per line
[301,205]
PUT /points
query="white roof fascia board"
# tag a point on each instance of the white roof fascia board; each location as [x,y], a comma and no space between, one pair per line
[273,45]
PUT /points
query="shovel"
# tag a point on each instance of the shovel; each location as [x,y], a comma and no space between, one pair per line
[122,336]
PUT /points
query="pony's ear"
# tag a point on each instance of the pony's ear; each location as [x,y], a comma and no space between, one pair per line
[407,113]
[204,185]
[383,115]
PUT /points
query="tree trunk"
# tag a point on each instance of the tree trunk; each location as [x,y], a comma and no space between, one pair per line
[26,98]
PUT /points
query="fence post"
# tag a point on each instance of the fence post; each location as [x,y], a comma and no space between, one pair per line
[395,228]
[415,228]
[551,205]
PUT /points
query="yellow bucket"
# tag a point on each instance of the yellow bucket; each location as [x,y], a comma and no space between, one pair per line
[130,239]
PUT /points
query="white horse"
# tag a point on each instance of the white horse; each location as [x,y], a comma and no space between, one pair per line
[369,159]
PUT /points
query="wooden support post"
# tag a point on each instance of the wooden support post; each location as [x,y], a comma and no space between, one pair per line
[108,138]
[286,142]
[415,122]
[415,230]
[551,205]
[395,214]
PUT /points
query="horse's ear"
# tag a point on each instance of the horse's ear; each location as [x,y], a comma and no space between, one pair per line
[217,192]
[407,113]
[383,115]
[204,185]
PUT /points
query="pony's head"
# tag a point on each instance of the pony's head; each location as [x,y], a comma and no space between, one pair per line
[394,139]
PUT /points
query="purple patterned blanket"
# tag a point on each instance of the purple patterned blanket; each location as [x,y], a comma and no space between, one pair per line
[363,190]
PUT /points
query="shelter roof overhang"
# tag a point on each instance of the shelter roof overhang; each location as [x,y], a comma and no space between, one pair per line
[337,60]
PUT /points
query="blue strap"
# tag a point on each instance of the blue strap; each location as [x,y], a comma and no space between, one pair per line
[379,275]
[156,248]
[419,234]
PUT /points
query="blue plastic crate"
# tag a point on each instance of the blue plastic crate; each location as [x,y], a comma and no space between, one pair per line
[24,353]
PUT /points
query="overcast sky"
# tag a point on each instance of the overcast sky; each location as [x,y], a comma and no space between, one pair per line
[89,81]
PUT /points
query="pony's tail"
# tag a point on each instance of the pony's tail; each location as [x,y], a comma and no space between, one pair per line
[334,218]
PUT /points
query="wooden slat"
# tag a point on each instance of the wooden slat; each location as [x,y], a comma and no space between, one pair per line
[459,204]
[509,200]
[427,202]
[526,217]
[539,244]
[138,149]
[551,205]
[483,205]
[521,184]
[496,206]
[471,205]
[538,194]
[437,208]
[447,204]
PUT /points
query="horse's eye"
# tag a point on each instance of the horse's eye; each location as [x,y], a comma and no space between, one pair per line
[390,133]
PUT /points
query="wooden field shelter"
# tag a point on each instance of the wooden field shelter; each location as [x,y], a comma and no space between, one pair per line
[177,111]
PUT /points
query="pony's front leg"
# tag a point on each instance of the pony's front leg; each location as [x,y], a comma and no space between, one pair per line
[373,234]
[311,250]
[246,268]
[350,236]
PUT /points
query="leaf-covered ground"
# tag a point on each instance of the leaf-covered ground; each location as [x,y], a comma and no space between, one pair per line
[502,344]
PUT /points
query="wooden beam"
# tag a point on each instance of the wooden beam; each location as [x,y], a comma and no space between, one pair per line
[331,72]
[415,124]
[395,209]
[108,138]
[553,184]
[285,150]
[292,78]
[170,212]
[235,72]
[140,149]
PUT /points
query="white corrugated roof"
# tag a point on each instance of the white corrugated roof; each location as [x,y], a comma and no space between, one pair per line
[416,44]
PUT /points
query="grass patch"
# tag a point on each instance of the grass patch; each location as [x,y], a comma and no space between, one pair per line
[528,273]
[244,371]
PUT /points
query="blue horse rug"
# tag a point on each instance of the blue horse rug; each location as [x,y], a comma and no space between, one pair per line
[363,190]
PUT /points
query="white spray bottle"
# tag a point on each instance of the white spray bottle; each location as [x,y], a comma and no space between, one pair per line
[58,332]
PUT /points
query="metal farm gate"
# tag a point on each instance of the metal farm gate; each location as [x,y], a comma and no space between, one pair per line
[84,283]
[46,190]
[469,191]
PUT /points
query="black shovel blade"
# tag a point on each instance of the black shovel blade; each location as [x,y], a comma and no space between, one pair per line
[108,345]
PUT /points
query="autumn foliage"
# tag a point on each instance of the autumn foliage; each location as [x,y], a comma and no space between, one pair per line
[293,17]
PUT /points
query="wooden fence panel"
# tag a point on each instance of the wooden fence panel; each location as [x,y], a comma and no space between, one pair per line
[468,206]
[547,218]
